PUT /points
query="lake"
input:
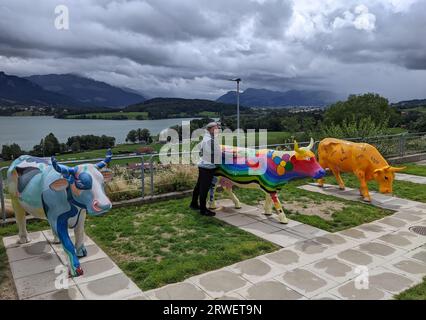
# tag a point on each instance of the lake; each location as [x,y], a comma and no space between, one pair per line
[28,131]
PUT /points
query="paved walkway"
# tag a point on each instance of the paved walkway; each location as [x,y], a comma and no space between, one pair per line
[410,178]
[33,269]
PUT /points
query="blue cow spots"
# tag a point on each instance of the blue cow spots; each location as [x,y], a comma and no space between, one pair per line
[25,175]
[84,181]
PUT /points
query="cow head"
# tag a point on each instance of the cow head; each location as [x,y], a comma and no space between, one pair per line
[384,177]
[304,161]
[86,184]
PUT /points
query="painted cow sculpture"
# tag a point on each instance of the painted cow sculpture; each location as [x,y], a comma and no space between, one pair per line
[364,160]
[60,194]
[275,169]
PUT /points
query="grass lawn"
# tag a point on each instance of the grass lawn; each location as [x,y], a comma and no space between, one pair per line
[417,292]
[415,169]
[336,213]
[401,189]
[166,242]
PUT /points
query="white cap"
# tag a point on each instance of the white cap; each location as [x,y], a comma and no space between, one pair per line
[212,124]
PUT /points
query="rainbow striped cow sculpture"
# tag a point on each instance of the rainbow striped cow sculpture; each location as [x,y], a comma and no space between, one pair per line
[268,170]
[60,194]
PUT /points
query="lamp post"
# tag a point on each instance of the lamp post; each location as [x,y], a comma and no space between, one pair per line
[238,80]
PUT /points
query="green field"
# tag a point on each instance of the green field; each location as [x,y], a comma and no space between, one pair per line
[111,115]
[414,169]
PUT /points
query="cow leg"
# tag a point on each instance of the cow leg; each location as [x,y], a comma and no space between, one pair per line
[55,238]
[281,215]
[339,179]
[20,221]
[363,186]
[61,228]
[321,181]
[233,197]
[268,205]
[80,236]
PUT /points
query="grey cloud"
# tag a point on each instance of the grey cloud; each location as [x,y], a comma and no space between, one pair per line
[188,47]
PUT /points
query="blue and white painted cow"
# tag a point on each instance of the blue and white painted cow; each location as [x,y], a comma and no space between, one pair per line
[60,194]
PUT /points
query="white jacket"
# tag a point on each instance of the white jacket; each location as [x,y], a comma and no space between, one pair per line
[210,153]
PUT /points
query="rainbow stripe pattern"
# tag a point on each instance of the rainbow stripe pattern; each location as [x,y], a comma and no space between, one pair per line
[270,169]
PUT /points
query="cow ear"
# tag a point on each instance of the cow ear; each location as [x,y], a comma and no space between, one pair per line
[59,185]
[107,175]
[377,171]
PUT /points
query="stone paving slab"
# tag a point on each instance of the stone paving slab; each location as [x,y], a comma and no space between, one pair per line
[178,291]
[349,291]
[255,270]
[219,283]
[306,282]
[410,178]
[333,268]
[411,268]
[270,290]
[73,293]
[33,269]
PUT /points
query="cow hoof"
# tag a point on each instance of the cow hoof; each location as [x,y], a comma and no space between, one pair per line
[238,207]
[77,272]
[366,199]
[56,241]
[24,240]
[283,220]
[81,252]
[268,213]
[342,188]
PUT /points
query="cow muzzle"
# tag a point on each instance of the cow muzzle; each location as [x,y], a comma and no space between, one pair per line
[319,174]
[100,208]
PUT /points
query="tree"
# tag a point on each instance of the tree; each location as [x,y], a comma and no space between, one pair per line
[362,128]
[131,136]
[146,136]
[75,146]
[49,146]
[290,124]
[11,152]
[359,107]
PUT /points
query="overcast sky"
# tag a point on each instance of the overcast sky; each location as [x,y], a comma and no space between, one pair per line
[185,48]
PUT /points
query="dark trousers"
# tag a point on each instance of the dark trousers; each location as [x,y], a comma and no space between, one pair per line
[201,190]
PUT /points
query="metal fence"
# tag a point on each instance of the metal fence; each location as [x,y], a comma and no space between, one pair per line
[144,175]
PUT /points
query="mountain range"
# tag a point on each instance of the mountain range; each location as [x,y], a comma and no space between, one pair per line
[267,98]
[64,90]
[87,91]
[76,92]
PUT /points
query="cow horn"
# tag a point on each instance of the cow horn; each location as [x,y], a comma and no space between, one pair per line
[64,170]
[394,169]
[107,160]
[296,146]
[311,144]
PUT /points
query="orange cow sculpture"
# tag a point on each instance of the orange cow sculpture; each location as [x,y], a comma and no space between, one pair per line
[364,160]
